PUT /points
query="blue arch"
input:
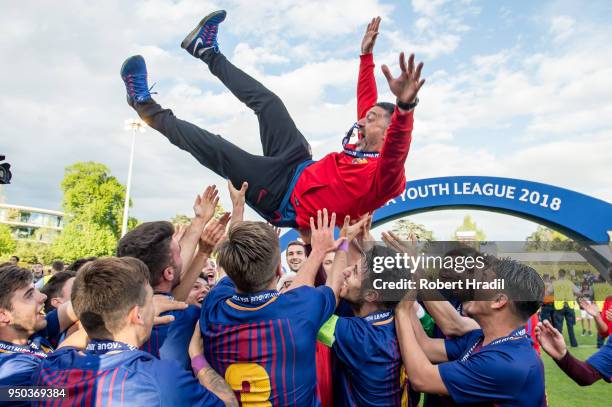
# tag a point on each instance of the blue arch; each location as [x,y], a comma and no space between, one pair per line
[579,216]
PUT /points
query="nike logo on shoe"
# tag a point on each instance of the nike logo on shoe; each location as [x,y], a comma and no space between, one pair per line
[199,42]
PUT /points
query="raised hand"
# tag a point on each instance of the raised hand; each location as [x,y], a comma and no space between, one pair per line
[369,38]
[212,234]
[204,206]
[551,340]
[322,234]
[356,228]
[406,86]
[237,195]
[393,242]
[589,307]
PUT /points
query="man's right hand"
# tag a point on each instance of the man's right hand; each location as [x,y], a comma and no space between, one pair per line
[204,206]
[369,38]
[551,340]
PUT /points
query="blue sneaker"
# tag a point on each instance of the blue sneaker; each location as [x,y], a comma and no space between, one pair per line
[204,36]
[134,75]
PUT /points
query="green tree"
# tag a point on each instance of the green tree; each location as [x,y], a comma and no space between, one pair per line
[547,239]
[180,219]
[469,225]
[7,244]
[404,228]
[93,203]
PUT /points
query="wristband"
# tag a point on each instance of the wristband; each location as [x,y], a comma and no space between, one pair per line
[198,363]
[407,106]
[344,246]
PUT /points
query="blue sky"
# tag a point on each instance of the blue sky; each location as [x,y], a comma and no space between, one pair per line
[519,89]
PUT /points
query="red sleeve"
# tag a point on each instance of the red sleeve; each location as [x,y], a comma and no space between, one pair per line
[390,178]
[366,85]
[579,371]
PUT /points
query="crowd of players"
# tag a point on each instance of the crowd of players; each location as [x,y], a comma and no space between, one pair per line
[162,324]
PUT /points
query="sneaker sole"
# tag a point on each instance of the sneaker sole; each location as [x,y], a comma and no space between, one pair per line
[193,34]
[126,61]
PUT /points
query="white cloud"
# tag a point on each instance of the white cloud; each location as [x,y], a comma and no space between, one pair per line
[561,27]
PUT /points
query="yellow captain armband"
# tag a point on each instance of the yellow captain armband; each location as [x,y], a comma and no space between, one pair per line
[327,331]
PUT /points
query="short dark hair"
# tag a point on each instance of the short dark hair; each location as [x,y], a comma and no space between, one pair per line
[387,106]
[12,278]
[78,263]
[523,284]
[150,243]
[250,255]
[15,257]
[296,243]
[54,287]
[105,290]
[57,265]
[562,272]
[391,274]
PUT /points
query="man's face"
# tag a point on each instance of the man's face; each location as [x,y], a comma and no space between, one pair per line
[373,129]
[198,291]
[13,260]
[351,287]
[38,270]
[328,261]
[147,314]
[27,314]
[296,256]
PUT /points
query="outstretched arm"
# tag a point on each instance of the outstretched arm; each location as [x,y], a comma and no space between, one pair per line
[593,310]
[366,83]
[322,241]
[422,374]
[204,209]
[553,343]
[393,155]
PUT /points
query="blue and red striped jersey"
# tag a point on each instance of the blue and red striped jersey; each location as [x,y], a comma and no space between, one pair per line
[369,369]
[119,378]
[19,362]
[171,341]
[264,343]
[506,372]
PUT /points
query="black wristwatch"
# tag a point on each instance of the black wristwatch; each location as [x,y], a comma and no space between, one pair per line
[407,106]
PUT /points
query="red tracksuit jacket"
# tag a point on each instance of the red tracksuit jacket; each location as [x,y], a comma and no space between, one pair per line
[349,186]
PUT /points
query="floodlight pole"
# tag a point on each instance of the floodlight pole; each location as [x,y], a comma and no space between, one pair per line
[133,125]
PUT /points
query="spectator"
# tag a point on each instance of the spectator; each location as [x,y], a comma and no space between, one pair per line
[14,260]
[198,291]
[57,266]
[586,293]
[37,271]
[548,308]
[76,265]
[564,292]
[58,289]
[295,255]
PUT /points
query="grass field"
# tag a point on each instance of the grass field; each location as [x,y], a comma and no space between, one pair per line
[562,391]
